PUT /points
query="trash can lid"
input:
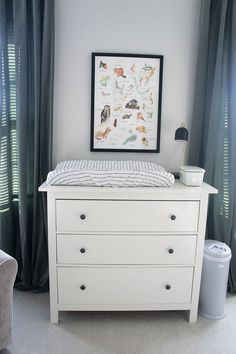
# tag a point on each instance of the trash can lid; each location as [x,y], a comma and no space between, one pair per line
[216,249]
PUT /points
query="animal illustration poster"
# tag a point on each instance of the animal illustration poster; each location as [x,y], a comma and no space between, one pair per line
[126,102]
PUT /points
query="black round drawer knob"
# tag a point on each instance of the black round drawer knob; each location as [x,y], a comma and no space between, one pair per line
[168,287]
[171,251]
[173,217]
[83,287]
[82,250]
[82,217]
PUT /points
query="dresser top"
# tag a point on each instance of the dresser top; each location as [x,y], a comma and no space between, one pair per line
[132,192]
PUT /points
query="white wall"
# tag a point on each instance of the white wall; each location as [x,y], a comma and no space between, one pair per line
[167,27]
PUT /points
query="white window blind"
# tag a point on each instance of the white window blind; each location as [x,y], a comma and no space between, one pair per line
[9,184]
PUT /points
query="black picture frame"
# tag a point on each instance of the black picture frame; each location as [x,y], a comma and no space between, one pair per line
[126,100]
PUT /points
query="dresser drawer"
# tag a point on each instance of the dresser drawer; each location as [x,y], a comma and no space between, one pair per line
[130,216]
[128,285]
[90,249]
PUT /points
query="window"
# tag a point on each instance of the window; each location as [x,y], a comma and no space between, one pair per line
[9,183]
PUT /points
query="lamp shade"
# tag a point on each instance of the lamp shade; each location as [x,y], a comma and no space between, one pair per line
[181,133]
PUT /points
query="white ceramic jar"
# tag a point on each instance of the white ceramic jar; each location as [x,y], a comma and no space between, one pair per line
[191,175]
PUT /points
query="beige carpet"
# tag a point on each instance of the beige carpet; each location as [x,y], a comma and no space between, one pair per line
[117,332]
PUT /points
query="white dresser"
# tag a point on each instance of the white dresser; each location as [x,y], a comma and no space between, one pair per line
[126,248]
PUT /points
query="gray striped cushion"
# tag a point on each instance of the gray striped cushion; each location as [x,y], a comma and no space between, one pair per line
[110,174]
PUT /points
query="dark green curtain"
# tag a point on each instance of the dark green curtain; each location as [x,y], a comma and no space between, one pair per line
[26,101]
[213,132]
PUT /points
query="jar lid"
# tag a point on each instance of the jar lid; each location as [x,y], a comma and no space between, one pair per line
[191,169]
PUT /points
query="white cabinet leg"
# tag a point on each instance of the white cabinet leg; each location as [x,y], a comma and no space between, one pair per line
[54,316]
[193,315]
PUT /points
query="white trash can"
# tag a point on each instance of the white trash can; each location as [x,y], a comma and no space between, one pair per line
[214,281]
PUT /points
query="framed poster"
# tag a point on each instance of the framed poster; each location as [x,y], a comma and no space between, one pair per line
[126,102]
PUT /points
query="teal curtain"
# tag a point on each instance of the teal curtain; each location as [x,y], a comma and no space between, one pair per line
[26,101]
[213,132]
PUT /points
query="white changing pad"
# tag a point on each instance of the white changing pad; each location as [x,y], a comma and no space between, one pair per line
[110,174]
